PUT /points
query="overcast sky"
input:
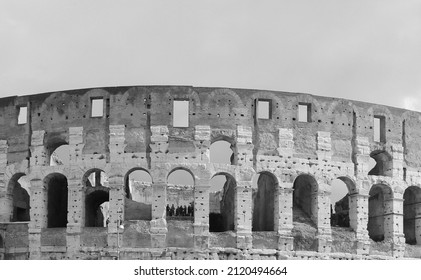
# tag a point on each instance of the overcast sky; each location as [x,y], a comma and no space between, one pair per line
[361,49]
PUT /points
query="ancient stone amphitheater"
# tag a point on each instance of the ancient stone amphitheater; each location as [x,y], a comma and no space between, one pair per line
[295,144]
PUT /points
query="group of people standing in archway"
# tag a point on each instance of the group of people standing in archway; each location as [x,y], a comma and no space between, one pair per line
[180,211]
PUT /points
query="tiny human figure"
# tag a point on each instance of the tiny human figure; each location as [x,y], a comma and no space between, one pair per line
[172,210]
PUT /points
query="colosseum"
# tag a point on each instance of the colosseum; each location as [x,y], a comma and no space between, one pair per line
[287,150]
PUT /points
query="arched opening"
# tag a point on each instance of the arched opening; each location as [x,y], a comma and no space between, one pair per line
[412,210]
[222,151]
[19,186]
[264,202]
[384,164]
[97,198]
[305,199]
[60,155]
[180,195]
[56,186]
[339,207]
[222,203]
[138,202]
[378,202]
[304,213]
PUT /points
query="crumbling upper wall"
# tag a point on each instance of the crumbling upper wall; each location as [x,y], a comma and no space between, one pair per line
[139,108]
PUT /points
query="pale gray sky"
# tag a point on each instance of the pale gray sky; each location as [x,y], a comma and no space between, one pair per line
[364,50]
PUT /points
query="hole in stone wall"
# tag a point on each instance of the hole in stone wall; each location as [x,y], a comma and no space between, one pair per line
[56,186]
[411,210]
[180,195]
[138,202]
[97,107]
[96,198]
[221,203]
[180,113]
[264,193]
[221,152]
[384,164]
[19,186]
[23,115]
[378,202]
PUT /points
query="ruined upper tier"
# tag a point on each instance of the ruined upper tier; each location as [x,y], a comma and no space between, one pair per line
[139,108]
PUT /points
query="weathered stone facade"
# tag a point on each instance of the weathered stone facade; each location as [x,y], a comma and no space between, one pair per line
[300,159]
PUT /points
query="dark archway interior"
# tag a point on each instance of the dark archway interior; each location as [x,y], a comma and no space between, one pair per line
[264,203]
[304,187]
[94,216]
[411,206]
[225,219]
[20,203]
[1,242]
[57,200]
[384,164]
[376,211]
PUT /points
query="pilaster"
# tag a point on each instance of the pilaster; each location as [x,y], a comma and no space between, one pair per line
[38,217]
[243,215]
[201,216]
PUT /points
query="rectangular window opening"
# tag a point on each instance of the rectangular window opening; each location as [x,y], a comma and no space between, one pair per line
[379,129]
[304,112]
[97,107]
[181,113]
[23,115]
[263,109]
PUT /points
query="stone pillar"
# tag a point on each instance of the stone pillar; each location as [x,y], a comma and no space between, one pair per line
[397,155]
[38,217]
[202,137]
[6,202]
[201,216]
[393,225]
[361,157]
[283,217]
[75,144]
[245,146]
[159,224]
[39,154]
[117,145]
[324,145]
[358,220]
[6,207]
[286,142]
[159,143]
[116,210]
[243,215]
[324,232]
[75,214]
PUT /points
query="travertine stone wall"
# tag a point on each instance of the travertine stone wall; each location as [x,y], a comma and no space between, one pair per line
[136,131]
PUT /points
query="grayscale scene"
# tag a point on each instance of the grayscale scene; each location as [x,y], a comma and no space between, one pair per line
[210,130]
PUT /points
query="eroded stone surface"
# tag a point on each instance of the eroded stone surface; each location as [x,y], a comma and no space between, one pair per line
[135,131]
